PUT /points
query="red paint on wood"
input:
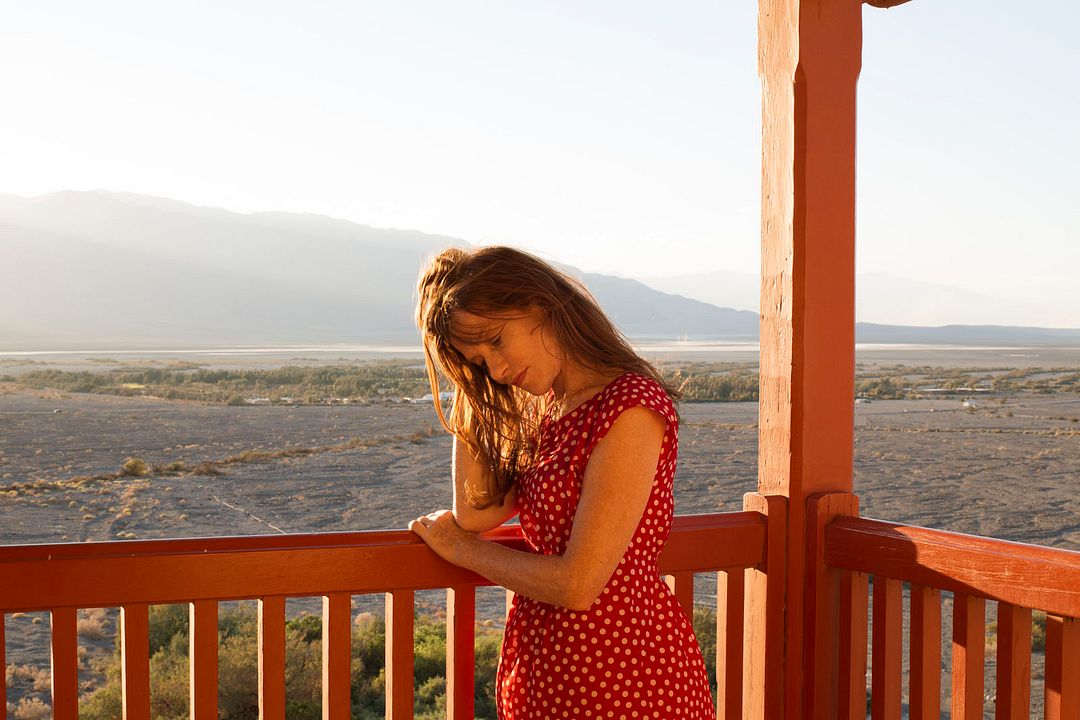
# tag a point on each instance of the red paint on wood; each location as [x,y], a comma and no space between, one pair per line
[684,591]
[851,675]
[887,649]
[809,54]
[337,655]
[460,652]
[3,663]
[173,571]
[399,654]
[1020,574]
[64,649]
[1062,698]
[763,646]
[135,661]
[968,655]
[203,659]
[1013,663]
[272,658]
[730,592]
[821,644]
[924,646]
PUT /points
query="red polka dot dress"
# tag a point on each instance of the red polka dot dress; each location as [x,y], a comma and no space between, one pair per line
[633,654]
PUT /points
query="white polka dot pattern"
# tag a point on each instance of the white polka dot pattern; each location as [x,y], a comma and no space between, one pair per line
[633,654]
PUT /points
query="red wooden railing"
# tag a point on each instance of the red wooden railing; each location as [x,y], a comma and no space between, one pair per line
[64,578]
[1019,577]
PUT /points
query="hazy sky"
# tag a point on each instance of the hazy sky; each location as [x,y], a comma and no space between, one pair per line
[587,131]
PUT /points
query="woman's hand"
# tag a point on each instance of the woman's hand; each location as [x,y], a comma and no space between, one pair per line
[443,535]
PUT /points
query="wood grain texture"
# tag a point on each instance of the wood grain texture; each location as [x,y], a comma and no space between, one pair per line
[821,644]
[887,649]
[924,648]
[763,615]
[400,608]
[460,652]
[854,617]
[968,656]
[730,596]
[135,661]
[203,659]
[1017,573]
[64,649]
[271,651]
[1062,690]
[175,571]
[809,54]
[1013,700]
[336,656]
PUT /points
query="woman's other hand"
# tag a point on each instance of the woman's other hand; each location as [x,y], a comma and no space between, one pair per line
[443,535]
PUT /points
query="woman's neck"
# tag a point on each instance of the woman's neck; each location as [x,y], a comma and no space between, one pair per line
[576,379]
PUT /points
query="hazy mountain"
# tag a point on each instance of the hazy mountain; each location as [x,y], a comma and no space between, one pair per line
[879,298]
[100,269]
[721,288]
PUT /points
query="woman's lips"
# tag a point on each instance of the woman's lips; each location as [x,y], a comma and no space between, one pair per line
[517,380]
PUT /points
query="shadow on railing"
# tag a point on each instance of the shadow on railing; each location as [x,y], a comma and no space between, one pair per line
[203,572]
[1018,577]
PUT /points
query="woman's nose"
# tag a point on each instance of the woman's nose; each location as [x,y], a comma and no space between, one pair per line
[499,371]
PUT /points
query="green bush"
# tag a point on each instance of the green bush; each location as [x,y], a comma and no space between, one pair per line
[238,668]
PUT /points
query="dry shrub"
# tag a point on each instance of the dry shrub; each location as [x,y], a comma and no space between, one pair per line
[134,466]
[91,624]
[32,709]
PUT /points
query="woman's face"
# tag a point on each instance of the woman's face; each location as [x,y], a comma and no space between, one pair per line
[520,350]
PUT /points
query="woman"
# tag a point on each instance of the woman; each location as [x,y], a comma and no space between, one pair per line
[556,418]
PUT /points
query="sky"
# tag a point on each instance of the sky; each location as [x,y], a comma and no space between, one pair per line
[619,137]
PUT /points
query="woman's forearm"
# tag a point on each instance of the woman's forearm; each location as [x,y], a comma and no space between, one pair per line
[540,577]
[467,469]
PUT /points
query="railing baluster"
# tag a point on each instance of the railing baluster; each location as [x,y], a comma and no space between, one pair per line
[887,649]
[854,601]
[399,654]
[1062,699]
[337,656]
[135,661]
[730,596]
[65,664]
[1013,663]
[682,584]
[203,659]
[3,665]
[968,655]
[924,647]
[460,652]
[272,658]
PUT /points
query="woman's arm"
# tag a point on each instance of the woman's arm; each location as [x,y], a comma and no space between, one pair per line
[467,468]
[615,490]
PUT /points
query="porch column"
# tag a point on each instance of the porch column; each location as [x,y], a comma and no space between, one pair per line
[809,54]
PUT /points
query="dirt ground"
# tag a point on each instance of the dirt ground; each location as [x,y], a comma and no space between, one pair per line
[1006,468]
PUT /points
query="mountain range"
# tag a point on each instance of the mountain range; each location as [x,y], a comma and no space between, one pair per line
[99,270]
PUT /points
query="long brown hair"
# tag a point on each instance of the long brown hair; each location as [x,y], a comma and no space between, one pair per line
[499,422]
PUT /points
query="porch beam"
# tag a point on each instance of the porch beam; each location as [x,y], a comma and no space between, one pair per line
[809,55]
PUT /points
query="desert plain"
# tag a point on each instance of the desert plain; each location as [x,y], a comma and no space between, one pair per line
[1002,465]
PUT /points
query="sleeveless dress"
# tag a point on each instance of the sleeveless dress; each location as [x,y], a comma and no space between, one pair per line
[633,654]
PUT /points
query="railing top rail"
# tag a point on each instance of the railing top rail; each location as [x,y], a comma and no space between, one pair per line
[1026,575]
[107,574]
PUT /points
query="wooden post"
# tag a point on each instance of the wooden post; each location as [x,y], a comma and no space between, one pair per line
[809,54]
